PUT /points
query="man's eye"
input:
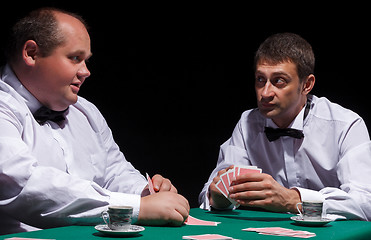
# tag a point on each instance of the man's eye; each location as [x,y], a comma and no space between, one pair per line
[279,82]
[260,81]
[75,58]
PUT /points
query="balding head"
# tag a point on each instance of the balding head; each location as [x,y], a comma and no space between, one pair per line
[42,26]
[49,60]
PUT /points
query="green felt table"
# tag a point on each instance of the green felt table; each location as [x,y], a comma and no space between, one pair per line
[231,224]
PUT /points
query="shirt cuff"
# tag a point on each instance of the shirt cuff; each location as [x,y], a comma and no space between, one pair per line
[124,199]
[309,195]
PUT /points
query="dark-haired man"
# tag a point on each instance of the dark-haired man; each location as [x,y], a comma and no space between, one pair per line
[59,164]
[307,147]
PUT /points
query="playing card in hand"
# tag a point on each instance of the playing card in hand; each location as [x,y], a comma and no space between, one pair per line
[190,220]
[150,184]
[226,179]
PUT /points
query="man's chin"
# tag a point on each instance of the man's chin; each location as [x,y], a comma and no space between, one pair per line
[67,103]
[72,100]
[268,113]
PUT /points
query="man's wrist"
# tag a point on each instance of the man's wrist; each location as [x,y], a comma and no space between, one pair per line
[295,199]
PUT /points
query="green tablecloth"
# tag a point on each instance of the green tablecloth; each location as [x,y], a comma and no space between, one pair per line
[231,224]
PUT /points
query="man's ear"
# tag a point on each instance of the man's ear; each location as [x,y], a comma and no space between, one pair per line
[309,84]
[29,52]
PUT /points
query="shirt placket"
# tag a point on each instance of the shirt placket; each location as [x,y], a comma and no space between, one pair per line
[67,154]
[289,156]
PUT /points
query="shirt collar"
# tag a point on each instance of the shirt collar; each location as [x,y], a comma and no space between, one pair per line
[11,79]
[297,123]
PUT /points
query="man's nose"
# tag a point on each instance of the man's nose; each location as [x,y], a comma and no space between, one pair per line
[83,72]
[268,90]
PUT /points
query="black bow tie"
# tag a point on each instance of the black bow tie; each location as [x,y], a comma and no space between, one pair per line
[275,133]
[44,114]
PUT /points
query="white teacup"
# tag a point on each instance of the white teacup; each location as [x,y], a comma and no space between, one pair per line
[312,210]
[118,217]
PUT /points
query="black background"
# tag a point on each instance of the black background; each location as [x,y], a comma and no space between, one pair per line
[172,79]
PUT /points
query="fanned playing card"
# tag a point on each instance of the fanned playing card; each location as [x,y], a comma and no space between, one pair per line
[221,187]
[249,169]
[226,179]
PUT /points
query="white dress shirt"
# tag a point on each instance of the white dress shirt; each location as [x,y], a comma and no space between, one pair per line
[54,175]
[331,163]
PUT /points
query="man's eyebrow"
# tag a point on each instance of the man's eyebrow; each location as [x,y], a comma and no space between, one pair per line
[278,73]
[83,53]
[281,73]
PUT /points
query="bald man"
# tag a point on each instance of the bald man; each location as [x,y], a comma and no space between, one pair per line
[59,164]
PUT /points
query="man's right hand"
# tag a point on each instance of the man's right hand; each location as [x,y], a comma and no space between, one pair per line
[163,208]
[216,198]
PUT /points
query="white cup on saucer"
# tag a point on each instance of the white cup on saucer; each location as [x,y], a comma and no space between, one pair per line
[118,218]
[311,210]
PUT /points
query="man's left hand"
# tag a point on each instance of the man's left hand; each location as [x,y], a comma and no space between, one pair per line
[162,184]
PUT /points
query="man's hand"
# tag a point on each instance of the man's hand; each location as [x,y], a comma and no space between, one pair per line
[216,198]
[163,208]
[161,184]
[261,190]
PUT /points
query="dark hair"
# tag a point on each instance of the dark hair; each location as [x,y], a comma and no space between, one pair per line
[41,26]
[287,47]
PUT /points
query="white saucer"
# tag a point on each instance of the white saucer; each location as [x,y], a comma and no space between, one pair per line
[134,229]
[314,223]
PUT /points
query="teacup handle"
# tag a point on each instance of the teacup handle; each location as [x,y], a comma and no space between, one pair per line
[105,216]
[297,207]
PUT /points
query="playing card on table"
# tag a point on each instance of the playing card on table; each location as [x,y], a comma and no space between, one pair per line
[195,221]
[278,231]
[208,237]
[19,238]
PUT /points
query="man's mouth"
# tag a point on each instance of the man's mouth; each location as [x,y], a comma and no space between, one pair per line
[267,105]
[75,87]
